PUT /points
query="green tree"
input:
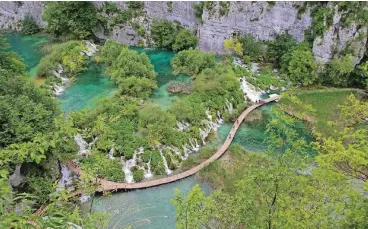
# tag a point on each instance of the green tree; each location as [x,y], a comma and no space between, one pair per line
[299,65]
[71,20]
[10,62]
[280,46]
[138,175]
[184,40]
[252,48]
[163,33]
[29,25]
[234,45]
[137,87]
[192,62]
[338,70]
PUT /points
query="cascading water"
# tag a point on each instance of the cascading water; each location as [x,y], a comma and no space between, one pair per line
[250,91]
[83,145]
[111,153]
[182,125]
[148,173]
[58,89]
[167,170]
[127,166]
[66,181]
[229,107]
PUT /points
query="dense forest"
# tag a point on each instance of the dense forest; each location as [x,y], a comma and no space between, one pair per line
[297,182]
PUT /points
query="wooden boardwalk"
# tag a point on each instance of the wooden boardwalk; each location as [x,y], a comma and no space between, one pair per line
[106,185]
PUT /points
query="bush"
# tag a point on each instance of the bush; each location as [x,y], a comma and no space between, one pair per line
[138,175]
[184,40]
[280,46]
[192,62]
[68,55]
[72,20]
[299,65]
[252,48]
[163,33]
[29,26]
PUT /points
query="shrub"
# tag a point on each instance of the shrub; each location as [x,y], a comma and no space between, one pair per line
[138,175]
[163,33]
[280,46]
[184,40]
[252,48]
[192,62]
[29,26]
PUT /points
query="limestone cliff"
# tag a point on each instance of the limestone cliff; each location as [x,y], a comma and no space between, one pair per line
[260,19]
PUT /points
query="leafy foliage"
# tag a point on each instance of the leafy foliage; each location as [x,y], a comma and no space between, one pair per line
[184,40]
[163,33]
[29,25]
[68,54]
[252,48]
[72,20]
[279,47]
[192,62]
[133,72]
[299,65]
[337,71]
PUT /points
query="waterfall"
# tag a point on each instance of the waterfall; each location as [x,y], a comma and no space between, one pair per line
[182,125]
[91,49]
[194,144]
[127,166]
[250,91]
[220,120]
[84,198]
[176,151]
[82,145]
[229,107]
[168,171]
[58,89]
[111,153]
[65,181]
[148,173]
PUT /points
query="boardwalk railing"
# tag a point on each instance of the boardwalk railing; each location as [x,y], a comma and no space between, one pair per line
[106,185]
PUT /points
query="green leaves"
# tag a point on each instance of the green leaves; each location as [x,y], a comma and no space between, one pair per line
[71,20]
[192,62]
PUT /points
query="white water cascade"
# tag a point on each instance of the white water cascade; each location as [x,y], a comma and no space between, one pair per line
[65,181]
[83,145]
[229,107]
[58,89]
[194,144]
[250,91]
[127,166]
[111,153]
[182,125]
[167,170]
[84,198]
[148,173]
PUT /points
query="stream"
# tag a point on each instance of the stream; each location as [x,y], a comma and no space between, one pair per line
[146,208]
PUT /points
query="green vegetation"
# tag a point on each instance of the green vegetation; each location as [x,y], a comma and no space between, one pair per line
[172,36]
[224,8]
[69,55]
[325,103]
[36,140]
[280,46]
[192,62]
[138,175]
[169,6]
[281,187]
[133,73]
[299,65]
[337,71]
[184,40]
[75,20]
[103,167]
[252,48]
[29,26]
[198,11]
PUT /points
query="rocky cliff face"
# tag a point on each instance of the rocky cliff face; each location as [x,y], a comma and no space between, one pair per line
[260,19]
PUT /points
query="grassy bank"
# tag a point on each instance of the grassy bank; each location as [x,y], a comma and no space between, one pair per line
[325,103]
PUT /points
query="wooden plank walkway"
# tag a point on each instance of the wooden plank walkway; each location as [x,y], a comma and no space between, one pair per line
[106,185]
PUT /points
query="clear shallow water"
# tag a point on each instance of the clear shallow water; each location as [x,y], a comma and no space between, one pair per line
[28,48]
[86,89]
[145,208]
[161,61]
